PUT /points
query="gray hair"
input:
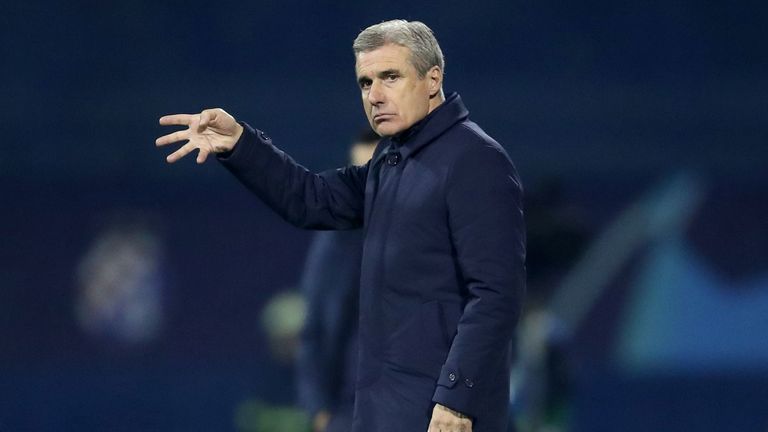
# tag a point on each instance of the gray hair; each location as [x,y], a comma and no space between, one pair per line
[414,35]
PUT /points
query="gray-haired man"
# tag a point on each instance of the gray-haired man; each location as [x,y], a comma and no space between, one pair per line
[443,271]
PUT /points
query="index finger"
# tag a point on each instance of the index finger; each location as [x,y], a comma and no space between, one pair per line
[177,119]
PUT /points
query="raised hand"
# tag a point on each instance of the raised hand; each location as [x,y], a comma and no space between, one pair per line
[211,131]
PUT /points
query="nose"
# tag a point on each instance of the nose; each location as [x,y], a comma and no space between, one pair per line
[375,93]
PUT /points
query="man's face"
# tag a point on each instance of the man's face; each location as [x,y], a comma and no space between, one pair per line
[394,96]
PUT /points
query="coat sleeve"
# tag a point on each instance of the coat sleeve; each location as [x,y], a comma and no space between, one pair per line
[332,199]
[484,198]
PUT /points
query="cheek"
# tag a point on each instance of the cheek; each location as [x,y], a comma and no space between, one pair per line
[415,105]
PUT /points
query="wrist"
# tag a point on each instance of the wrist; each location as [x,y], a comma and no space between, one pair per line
[238,133]
[452,411]
[225,150]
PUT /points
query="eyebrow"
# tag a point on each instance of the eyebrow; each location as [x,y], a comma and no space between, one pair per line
[388,72]
[383,74]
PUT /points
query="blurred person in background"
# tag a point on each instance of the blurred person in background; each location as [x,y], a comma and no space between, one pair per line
[443,267]
[330,284]
[120,283]
[557,236]
[281,322]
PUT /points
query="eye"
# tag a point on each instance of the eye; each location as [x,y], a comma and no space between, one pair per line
[365,84]
[392,77]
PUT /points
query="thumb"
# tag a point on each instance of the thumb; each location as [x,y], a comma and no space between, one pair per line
[207,117]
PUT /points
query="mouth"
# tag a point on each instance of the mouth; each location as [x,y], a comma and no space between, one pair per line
[378,118]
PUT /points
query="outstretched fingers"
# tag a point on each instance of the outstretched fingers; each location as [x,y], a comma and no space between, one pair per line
[202,155]
[196,125]
[177,119]
[172,137]
[181,152]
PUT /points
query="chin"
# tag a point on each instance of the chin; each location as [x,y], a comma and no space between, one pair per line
[386,130]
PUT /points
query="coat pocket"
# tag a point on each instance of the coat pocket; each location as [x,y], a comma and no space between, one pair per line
[422,339]
[420,343]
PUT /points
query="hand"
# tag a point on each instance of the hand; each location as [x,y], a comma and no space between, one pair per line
[211,131]
[445,419]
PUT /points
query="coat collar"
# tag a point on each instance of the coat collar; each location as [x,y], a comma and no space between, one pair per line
[426,130]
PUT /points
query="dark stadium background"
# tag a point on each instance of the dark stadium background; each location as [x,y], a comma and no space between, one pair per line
[600,104]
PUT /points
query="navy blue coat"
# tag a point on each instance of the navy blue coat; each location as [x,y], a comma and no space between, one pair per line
[443,267]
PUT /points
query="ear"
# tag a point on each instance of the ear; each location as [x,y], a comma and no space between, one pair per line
[435,77]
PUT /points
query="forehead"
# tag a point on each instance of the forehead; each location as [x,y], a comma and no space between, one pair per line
[387,57]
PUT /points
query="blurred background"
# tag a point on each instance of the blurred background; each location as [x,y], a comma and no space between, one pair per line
[141,296]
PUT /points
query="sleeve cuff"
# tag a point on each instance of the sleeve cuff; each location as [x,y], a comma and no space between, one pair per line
[248,134]
[456,391]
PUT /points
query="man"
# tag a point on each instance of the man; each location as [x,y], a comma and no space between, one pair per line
[442,276]
[330,284]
